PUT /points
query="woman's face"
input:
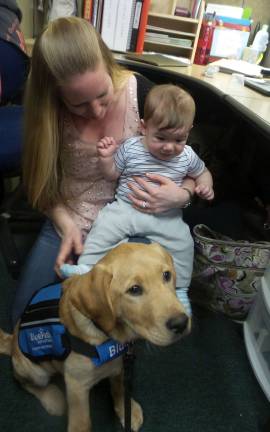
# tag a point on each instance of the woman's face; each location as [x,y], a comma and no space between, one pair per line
[89,95]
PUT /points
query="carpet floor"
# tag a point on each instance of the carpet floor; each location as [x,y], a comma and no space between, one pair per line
[202,384]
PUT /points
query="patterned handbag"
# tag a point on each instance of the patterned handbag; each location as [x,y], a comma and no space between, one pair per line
[226,273]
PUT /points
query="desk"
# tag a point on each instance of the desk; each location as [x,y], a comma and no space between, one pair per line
[246,99]
[254,106]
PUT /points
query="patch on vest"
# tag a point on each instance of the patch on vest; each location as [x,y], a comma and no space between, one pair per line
[41,334]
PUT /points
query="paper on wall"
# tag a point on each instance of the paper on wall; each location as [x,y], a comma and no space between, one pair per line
[228,43]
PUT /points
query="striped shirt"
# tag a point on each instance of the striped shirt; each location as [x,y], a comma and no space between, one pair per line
[133,159]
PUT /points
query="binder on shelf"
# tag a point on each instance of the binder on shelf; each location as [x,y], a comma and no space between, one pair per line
[196,8]
[99,15]
[135,26]
[87,10]
[109,18]
[94,12]
[123,24]
[142,25]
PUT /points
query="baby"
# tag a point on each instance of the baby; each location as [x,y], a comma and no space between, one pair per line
[168,117]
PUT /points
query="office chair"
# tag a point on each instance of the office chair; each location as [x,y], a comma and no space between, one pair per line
[14,68]
[16,216]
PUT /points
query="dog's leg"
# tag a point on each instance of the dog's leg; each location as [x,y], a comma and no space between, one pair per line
[35,379]
[78,405]
[117,389]
[5,342]
[50,397]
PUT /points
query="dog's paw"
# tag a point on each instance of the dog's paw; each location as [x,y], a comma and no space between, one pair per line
[53,400]
[136,416]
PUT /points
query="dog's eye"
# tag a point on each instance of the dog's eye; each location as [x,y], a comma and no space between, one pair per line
[135,290]
[167,276]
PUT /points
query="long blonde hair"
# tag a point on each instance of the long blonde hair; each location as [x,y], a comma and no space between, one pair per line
[66,47]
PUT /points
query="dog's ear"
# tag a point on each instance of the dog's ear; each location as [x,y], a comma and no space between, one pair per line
[90,294]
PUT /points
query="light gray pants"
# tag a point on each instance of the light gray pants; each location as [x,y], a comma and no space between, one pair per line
[118,221]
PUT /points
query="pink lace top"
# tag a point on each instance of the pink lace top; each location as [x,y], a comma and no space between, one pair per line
[83,185]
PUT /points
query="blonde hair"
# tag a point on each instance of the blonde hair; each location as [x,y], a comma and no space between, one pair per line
[66,47]
[169,107]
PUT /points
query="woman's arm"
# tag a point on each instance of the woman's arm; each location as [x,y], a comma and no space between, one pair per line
[163,198]
[69,232]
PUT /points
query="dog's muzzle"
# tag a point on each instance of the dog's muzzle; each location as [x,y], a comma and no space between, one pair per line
[177,324]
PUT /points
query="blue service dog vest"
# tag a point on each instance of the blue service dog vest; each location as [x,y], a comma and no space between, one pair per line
[43,337]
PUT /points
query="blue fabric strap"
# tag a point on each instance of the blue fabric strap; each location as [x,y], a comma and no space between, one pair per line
[99,354]
[108,351]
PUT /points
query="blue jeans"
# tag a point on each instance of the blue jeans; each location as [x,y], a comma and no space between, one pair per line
[38,270]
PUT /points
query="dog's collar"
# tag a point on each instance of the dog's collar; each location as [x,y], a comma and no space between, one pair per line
[99,354]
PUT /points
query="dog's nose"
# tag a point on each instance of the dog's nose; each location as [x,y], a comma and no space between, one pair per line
[177,324]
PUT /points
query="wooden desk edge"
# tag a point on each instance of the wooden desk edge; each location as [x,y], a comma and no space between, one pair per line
[237,106]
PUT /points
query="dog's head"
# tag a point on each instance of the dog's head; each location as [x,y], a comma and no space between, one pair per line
[130,293]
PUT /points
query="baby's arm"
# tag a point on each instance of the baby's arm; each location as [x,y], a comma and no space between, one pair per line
[106,149]
[204,185]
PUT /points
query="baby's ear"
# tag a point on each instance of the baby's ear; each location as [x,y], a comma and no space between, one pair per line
[143,126]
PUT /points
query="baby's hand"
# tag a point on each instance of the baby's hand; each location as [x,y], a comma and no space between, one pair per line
[205,192]
[106,147]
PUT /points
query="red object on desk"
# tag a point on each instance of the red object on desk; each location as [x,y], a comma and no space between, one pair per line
[204,42]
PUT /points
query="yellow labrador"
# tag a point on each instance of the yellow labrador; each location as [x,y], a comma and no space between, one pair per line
[129,294]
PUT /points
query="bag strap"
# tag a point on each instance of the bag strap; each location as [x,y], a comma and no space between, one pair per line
[207,235]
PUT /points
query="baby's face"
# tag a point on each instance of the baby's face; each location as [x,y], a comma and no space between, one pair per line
[165,144]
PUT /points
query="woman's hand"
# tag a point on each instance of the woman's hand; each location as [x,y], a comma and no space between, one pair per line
[157,199]
[71,245]
[71,236]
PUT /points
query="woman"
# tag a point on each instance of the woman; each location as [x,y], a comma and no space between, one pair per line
[75,95]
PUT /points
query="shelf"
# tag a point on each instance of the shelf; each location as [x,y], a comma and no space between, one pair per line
[161,20]
[174,17]
[161,44]
[169,31]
